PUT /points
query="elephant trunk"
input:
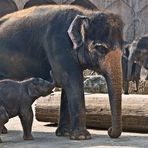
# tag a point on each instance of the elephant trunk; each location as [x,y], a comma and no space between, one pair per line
[114,89]
[114,83]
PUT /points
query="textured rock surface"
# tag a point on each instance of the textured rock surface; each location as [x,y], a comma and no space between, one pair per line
[95,84]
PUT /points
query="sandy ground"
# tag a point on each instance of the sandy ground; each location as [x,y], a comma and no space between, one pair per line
[44,137]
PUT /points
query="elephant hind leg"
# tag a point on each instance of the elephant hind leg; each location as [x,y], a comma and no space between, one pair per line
[64,121]
[3,119]
[4,130]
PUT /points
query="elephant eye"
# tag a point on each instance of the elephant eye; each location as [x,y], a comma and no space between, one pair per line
[101,48]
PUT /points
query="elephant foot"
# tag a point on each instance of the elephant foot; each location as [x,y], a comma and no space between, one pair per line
[62,132]
[4,130]
[114,133]
[28,137]
[80,135]
[0,140]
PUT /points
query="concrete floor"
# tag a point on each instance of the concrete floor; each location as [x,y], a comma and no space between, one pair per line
[44,137]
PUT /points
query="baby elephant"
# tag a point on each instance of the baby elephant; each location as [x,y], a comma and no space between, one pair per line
[16,98]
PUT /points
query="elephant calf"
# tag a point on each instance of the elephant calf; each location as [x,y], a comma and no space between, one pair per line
[16,98]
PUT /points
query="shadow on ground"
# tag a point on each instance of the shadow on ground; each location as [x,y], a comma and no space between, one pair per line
[47,139]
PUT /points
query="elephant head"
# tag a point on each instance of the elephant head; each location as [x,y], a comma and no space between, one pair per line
[138,52]
[38,87]
[97,40]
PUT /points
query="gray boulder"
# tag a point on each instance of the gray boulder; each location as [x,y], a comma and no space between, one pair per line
[95,84]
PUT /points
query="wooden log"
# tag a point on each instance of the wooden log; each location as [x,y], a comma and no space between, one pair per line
[98,115]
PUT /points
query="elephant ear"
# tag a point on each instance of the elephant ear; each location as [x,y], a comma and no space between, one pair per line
[77,30]
[32,87]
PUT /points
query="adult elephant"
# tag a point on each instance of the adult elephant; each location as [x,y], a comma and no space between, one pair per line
[7,6]
[31,3]
[66,39]
[138,53]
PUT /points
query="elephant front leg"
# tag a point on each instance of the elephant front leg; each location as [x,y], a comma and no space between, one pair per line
[76,105]
[26,118]
[64,121]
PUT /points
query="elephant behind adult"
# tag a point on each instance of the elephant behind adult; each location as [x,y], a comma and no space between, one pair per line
[68,40]
[145,65]
[135,72]
[7,6]
[138,53]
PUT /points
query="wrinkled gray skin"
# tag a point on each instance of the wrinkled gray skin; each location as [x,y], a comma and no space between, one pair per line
[138,53]
[7,6]
[67,40]
[16,98]
[135,73]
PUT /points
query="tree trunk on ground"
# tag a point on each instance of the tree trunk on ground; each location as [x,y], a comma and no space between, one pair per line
[134,111]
